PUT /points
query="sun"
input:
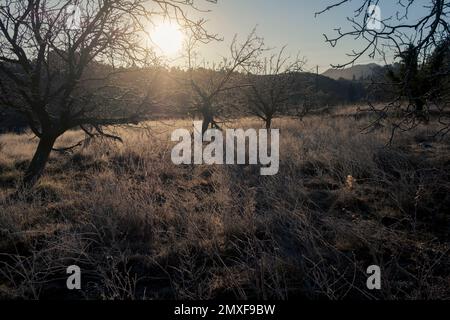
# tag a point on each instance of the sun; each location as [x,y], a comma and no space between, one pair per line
[167,37]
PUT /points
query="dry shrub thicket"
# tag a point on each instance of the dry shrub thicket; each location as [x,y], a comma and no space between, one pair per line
[142,228]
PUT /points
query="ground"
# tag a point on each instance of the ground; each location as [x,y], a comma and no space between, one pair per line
[140,227]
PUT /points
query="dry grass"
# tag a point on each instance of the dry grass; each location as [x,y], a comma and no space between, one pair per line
[141,228]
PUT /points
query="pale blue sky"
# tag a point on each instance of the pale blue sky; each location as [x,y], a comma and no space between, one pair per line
[292,23]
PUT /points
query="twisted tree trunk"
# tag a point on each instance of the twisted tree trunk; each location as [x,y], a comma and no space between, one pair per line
[39,161]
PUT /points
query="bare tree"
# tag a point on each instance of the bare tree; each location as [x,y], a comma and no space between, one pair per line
[416,43]
[59,60]
[272,86]
[210,86]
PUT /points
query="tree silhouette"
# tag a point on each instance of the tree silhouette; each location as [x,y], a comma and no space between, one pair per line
[59,69]
[272,85]
[211,86]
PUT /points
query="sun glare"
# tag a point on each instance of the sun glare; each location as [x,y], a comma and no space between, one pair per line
[167,37]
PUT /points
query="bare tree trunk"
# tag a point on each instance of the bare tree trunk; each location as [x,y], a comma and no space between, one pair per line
[39,161]
[207,121]
[268,123]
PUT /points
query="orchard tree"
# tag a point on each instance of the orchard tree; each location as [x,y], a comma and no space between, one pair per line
[211,87]
[59,60]
[272,86]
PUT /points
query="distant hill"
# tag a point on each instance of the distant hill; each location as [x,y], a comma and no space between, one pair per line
[362,71]
[317,90]
[308,89]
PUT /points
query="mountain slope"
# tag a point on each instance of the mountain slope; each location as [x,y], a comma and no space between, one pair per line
[357,72]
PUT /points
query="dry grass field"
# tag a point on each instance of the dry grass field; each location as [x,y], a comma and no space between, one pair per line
[142,228]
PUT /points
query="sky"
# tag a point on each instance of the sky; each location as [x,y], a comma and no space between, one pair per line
[289,22]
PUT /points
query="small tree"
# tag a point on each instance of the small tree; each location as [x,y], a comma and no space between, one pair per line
[272,86]
[58,62]
[209,86]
